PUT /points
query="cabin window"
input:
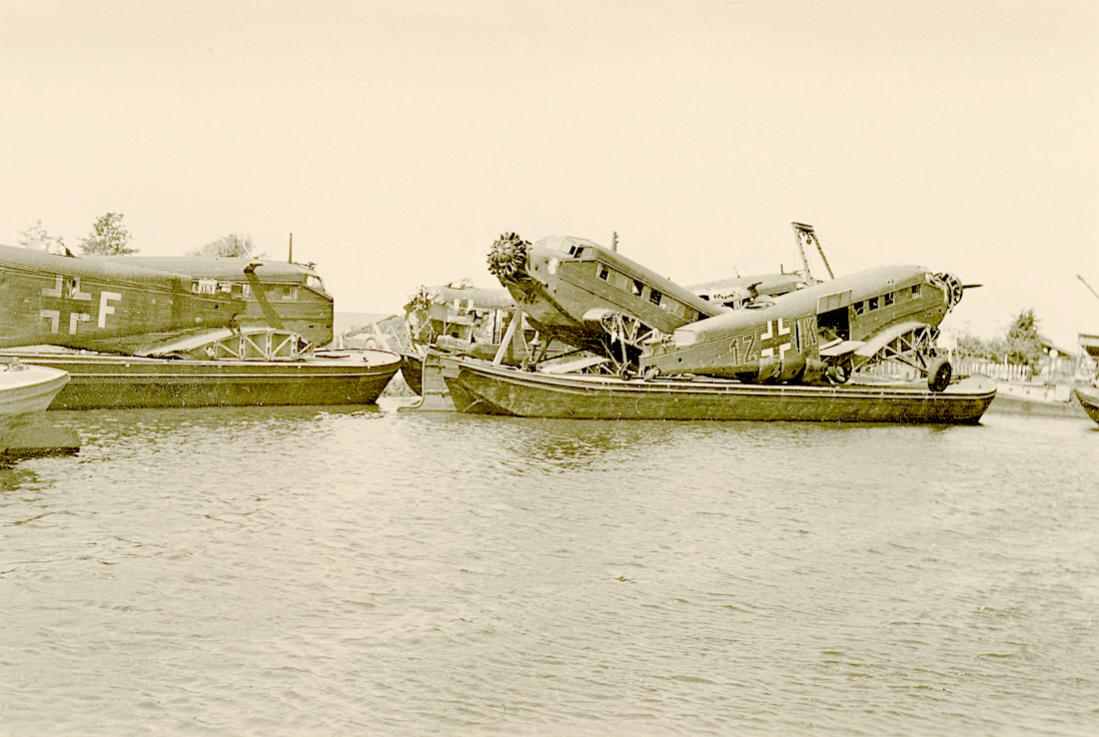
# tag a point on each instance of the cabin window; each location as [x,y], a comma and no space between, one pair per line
[860,307]
[915,290]
[638,287]
[872,304]
[655,297]
[204,286]
[888,298]
[288,293]
[604,273]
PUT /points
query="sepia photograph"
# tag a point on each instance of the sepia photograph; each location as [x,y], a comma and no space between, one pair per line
[638,368]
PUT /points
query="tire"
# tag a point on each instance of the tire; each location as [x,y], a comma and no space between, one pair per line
[939,374]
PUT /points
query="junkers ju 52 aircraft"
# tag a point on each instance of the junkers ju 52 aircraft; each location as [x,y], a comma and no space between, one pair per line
[99,304]
[823,332]
[187,307]
[593,298]
[789,328]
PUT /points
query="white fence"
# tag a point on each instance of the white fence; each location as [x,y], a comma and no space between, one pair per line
[1006,372]
[998,371]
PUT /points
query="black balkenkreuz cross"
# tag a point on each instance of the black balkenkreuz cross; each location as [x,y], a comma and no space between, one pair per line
[775,338]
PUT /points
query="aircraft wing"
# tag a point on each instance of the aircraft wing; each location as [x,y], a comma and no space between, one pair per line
[840,348]
[879,341]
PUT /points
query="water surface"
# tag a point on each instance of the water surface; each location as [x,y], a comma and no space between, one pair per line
[320,572]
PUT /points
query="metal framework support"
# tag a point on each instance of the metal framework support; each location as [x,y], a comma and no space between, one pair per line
[805,236]
[915,348]
[509,335]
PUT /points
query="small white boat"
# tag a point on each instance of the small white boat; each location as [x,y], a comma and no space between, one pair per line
[25,390]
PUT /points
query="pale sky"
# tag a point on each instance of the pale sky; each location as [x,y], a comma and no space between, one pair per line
[397,139]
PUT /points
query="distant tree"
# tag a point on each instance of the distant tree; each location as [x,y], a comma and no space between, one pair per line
[232,245]
[37,238]
[971,346]
[1023,346]
[109,237]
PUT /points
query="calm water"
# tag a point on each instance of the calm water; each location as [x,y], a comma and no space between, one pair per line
[307,572]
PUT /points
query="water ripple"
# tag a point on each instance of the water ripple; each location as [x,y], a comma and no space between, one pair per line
[295,571]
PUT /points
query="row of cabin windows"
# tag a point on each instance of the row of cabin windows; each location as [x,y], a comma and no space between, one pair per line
[637,287]
[213,286]
[286,292]
[885,300]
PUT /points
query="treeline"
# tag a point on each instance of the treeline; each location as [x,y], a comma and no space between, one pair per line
[110,237]
[1021,345]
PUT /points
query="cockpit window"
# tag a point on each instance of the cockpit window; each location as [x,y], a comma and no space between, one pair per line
[638,287]
[314,282]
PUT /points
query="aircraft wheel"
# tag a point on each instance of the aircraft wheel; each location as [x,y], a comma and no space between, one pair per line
[939,374]
[839,373]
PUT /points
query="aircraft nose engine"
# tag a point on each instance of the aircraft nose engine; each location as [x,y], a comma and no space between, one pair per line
[952,287]
[507,259]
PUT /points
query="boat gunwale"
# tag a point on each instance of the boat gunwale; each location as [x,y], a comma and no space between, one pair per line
[33,385]
[43,358]
[580,384]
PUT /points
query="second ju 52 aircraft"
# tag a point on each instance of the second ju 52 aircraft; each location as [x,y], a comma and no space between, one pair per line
[790,328]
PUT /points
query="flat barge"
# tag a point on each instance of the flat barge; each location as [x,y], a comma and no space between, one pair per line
[99,381]
[481,387]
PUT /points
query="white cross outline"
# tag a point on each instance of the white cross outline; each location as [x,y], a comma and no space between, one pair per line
[54,292]
[54,316]
[75,293]
[772,332]
[77,317]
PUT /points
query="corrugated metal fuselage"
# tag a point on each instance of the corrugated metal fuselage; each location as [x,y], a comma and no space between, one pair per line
[790,330]
[276,294]
[562,291]
[97,305]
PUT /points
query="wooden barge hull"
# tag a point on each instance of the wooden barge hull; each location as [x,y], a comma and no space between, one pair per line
[478,387]
[118,382]
[1089,400]
[412,369]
